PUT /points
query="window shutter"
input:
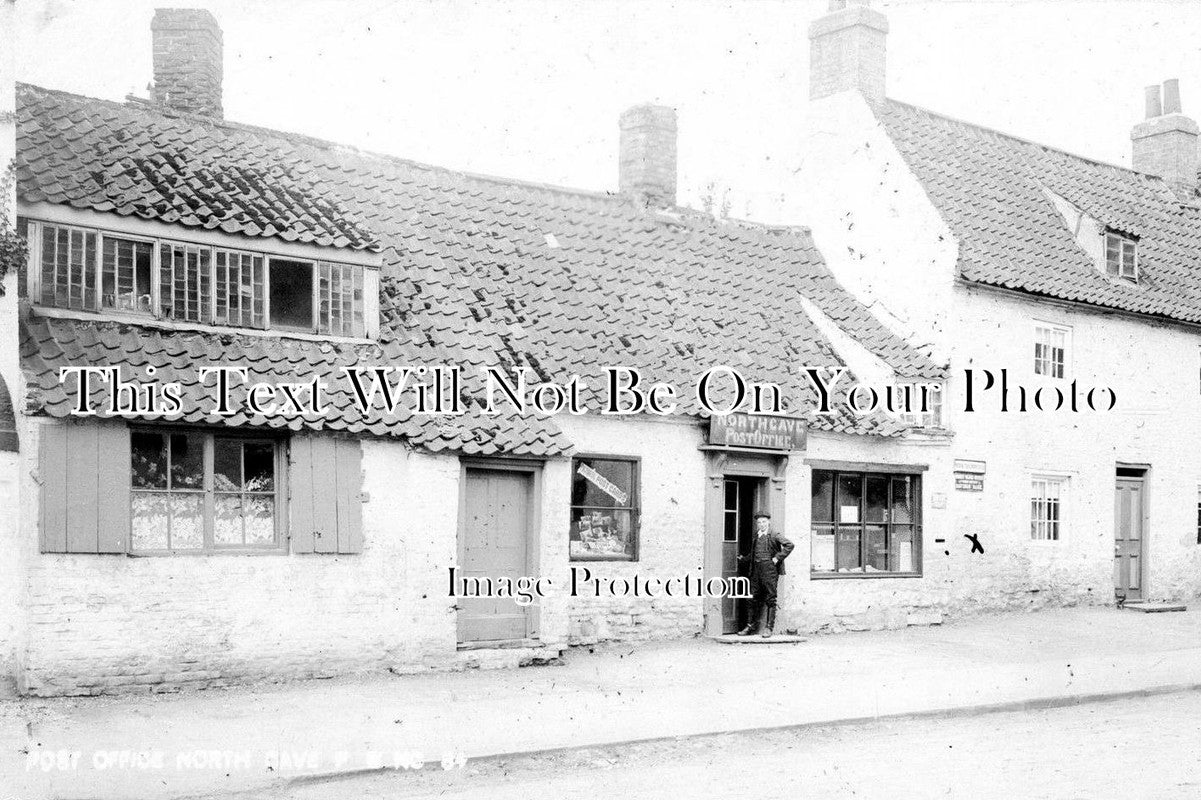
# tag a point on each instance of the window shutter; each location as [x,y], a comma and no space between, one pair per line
[84,472]
[325,513]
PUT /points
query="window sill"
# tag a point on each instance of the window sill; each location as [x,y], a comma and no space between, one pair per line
[621,559]
[194,327]
[274,551]
[833,576]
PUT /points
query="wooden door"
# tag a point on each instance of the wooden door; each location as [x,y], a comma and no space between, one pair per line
[495,545]
[741,501]
[1129,501]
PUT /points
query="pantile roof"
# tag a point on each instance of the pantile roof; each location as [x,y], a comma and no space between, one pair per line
[477,272]
[992,190]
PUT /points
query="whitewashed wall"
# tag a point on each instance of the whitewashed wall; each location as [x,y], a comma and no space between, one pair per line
[672,532]
[1154,371]
[107,623]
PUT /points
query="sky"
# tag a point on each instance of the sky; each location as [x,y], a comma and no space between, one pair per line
[532,90]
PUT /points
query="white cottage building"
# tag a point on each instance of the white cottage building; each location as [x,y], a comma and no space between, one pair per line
[1002,255]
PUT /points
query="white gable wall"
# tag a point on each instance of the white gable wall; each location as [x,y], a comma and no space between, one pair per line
[871,219]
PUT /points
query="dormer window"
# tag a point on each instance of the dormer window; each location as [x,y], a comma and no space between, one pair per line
[81,269]
[1121,255]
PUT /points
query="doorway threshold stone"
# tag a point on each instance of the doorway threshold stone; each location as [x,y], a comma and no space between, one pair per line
[1149,607]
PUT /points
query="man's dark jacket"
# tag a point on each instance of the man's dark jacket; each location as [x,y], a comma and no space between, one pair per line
[780,548]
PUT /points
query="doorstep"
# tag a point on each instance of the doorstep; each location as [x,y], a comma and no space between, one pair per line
[1153,607]
[754,638]
[508,655]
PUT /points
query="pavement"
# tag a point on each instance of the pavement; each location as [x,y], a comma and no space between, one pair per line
[216,742]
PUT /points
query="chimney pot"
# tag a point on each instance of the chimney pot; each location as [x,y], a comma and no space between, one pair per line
[847,50]
[1165,144]
[647,163]
[188,53]
[1154,108]
[1171,96]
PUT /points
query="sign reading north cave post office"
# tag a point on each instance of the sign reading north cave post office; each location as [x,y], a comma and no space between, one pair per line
[757,430]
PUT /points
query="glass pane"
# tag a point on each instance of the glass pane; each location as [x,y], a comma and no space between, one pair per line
[259,464]
[731,526]
[227,519]
[903,498]
[731,495]
[823,496]
[602,482]
[822,549]
[601,533]
[876,499]
[850,493]
[848,550]
[227,465]
[260,520]
[149,529]
[125,279]
[187,461]
[187,520]
[148,457]
[903,553]
[877,550]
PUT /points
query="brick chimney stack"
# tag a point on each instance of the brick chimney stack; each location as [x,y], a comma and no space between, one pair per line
[187,60]
[647,166]
[1165,143]
[846,51]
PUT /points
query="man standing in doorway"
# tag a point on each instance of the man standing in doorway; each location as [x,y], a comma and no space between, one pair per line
[767,564]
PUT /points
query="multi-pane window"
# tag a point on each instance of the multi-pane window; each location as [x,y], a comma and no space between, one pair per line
[1047,495]
[67,272]
[1050,350]
[126,282]
[340,298]
[184,282]
[1121,256]
[239,289]
[865,523]
[89,270]
[604,508]
[932,416]
[197,492]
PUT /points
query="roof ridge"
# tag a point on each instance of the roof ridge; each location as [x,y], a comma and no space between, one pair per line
[149,107]
[1015,137]
[617,199]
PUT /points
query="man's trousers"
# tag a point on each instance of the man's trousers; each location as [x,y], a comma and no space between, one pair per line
[763,585]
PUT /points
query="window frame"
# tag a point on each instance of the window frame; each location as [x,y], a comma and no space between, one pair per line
[269,261]
[33,229]
[1122,241]
[1064,483]
[635,508]
[928,420]
[1052,328]
[279,445]
[916,525]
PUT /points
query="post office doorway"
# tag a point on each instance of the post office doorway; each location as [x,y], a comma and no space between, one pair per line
[1130,533]
[744,496]
[739,485]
